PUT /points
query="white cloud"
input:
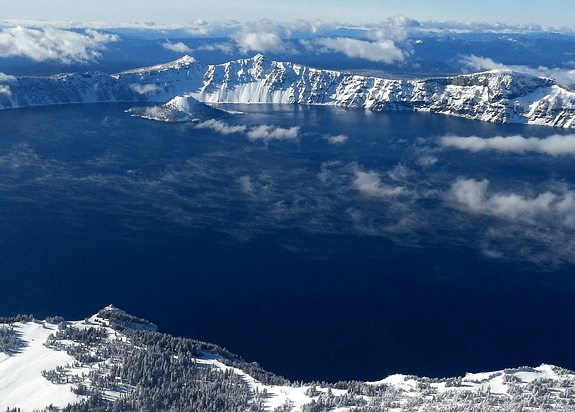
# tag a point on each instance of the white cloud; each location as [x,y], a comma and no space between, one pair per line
[219,28]
[92,24]
[474,195]
[395,28]
[426,160]
[223,47]
[553,145]
[5,90]
[246,185]
[6,77]
[369,183]
[471,27]
[260,42]
[339,139]
[153,112]
[51,44]
[562,76]
[144,88]
[288,29]
[265,132]
[177,47]
[399,173]
[382,51]
[221,127]
[270,35]
[201,28]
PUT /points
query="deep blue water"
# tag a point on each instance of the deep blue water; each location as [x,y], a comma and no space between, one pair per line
[271,249]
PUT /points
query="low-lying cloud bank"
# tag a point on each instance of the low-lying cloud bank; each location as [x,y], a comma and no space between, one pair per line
[384,51]
[49,44]
[6,77]
[273,36]
[262,132]
[221,127]
[562,76]
[339,139]
[370,184]
[386,42]
[476,197]
[555,145]
[397,25]
[265,132]
[261,42]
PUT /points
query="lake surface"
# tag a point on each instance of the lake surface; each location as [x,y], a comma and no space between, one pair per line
[349,259]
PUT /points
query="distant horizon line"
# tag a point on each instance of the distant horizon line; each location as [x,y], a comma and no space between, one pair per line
[203,28]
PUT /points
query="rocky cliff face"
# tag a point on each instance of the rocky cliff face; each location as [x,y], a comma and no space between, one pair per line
[494,96]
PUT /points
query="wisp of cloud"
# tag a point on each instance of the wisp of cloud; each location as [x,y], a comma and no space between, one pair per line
[144,88]
[221,127]
[384,51]
[555,145]
[369,183]
[6,77]
[339,139]
[265,132]
[474,195]
[177,47]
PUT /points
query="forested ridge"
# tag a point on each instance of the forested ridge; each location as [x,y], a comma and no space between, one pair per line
[121,363]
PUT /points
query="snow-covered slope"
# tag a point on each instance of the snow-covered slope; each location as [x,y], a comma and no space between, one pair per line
[494,96]
[114,361]
[21,380]
[180,109]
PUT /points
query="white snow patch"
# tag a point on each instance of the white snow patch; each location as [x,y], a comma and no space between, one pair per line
[21,382]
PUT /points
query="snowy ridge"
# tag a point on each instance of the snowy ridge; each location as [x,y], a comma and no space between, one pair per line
[115,361]
[494,96]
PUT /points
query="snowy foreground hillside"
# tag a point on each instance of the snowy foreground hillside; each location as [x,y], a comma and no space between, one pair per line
[496,96]
[116,362]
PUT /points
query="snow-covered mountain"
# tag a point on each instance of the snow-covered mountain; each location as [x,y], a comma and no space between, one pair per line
[493,96]
[114,361]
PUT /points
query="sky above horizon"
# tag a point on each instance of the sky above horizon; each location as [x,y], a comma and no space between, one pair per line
[549,14]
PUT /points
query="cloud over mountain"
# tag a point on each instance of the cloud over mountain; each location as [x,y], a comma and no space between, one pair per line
[260,42]
[144,88]
[562,76]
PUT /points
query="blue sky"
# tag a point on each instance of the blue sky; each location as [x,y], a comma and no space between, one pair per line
[549,13]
